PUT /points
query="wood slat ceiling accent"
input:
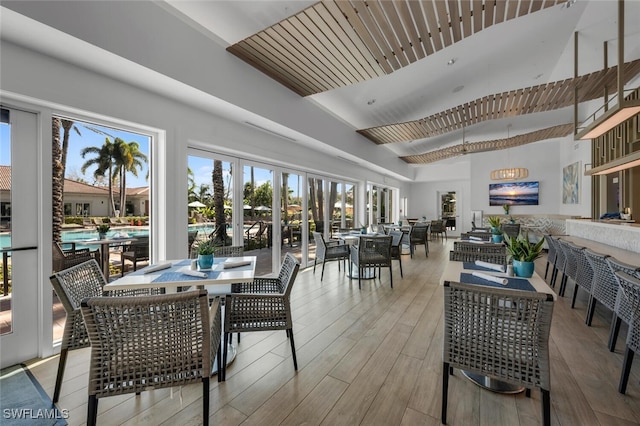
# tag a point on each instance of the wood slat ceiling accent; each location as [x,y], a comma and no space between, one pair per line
[340,42]
[545,97]
[472,147]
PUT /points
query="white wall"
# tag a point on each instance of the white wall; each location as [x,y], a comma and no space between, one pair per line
[469,176]
[51,86]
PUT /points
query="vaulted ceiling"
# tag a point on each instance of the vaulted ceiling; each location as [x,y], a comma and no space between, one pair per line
[411,75]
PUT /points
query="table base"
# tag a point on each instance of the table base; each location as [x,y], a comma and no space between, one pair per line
[369,274]
[231,355]
[492,384]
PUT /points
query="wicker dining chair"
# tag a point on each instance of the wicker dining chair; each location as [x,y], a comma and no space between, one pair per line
[135,252]
[622,311]
[63,259]
[418,236]
[483,236]
[605,287]
[151,342]
[511,229]
[630,289]
[570,265]
[560,262]
[551,255]
[499,333]
[261,305]
[396,247]
[461,256]
[469,247]
[371,252]
[72,285]
[584,272]
[329,251]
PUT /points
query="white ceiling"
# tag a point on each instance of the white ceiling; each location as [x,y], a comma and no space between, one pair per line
[526,51]
[534,49]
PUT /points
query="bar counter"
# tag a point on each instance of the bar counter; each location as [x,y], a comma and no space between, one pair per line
[625,236]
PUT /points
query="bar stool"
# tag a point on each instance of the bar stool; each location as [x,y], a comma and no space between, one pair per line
[551,254]
[622,309]
[570,265]
[559,263]
[605,287]
[584,272]
[630,288]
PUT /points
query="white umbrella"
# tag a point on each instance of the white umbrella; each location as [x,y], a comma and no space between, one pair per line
[196,204]
[262,209]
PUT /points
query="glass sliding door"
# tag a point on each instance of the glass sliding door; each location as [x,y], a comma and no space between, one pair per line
[258,216]
[292,217]
[210,200]
[316,204]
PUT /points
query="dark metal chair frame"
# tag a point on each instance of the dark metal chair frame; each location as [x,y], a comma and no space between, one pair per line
[371,252]
[329,251]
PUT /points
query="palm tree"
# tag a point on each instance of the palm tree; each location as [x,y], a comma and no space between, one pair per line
[57,182]
[104,161]
[220,236]
[127,159]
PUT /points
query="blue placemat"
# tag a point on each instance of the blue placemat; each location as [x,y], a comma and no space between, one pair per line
[473,266]
[513,283]
[179,276]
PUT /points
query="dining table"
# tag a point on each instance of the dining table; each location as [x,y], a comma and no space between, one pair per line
[104,246]
[176,275]
[463,272]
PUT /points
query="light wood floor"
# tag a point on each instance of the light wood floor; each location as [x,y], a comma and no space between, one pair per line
[373,357]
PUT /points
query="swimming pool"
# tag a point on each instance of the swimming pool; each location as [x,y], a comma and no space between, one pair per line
[69,236]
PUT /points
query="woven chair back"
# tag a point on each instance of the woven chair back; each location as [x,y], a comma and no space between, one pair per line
[630,289]
[374,251]
[551,244]
[171,333]
[584,272]
[499,333]
[622,306]
[605,287]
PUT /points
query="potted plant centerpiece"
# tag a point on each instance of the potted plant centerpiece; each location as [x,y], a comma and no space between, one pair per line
[506,208]
[523,252]
[205,254]
[102,231]
[496,231]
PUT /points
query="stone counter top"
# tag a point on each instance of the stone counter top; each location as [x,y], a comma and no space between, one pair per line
[622,235]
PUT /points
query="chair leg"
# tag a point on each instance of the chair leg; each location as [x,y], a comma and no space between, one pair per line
[575,293]
[626,369]
[293,349]
[390,275]
[205,401]
[616,321]
[590,310]
[92,410]
[219,358]
[322,273]
[224,356]
[546,270]
[554,274]
[400,262]
[360,272]
[62,362]
[445,392]
[546,407]
[563,284]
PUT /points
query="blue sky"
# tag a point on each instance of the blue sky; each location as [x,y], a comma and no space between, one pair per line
[86,138]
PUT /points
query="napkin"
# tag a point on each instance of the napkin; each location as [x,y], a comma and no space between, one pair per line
[236,264]
[475,238]
[491,278]
[194,273]
[158,267]
[489,265]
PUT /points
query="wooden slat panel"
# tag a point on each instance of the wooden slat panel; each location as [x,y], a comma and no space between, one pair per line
[421,26]
[456,25]
[512,9]
[399,30]
[412,28]
[374,32]
[501,7]
[374,62]
[488,14]
[552,132]
[445,28]
[432,24]
[524,7]
[467,29]
[477,13]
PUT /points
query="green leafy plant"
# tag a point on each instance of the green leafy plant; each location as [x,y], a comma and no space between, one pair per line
[522,249]
[206,247]
[103,229]
[505,207]
[494,222]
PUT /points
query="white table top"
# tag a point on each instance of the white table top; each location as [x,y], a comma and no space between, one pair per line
[453,269]
[107,241]
[139,279]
